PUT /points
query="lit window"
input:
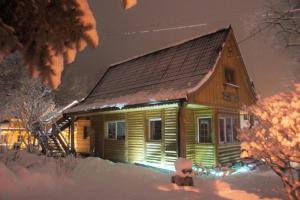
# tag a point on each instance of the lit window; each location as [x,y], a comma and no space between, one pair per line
[227,129]
[155,129]
[229,76]
[85,132]
[116,130]
[204,130]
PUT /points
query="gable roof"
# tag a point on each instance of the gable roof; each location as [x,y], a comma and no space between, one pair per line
[164,75]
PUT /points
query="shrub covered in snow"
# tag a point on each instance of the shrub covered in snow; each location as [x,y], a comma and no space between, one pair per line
[275,137]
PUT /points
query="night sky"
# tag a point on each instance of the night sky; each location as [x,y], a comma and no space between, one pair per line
[268,64]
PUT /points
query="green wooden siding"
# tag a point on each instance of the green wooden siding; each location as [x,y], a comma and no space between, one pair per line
[199,153]
[170,135]
[154,152]
[136,146]
[229,152]
[205,154]
[135,136]
[115,150]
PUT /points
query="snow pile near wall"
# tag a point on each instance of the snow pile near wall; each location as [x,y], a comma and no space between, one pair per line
[37,177]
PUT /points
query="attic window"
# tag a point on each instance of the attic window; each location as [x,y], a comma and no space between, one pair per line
[229,76]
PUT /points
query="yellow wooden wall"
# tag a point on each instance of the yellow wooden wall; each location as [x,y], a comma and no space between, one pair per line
[200,153]
[136,147]
[229,152]
[115,150]
[81,145]
[154,150]
[136,135]
[212,91]
[9,137]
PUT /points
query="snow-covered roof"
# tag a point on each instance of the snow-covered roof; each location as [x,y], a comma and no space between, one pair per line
[164,75]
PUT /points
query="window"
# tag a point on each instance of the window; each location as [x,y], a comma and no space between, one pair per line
[116,130]
[204,130]
[227,130]
[229,76]
[85,132]
[155,129]
[246,116]
[222,130]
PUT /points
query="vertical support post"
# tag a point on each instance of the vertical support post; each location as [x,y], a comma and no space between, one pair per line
[216,134]
[181,137]
[72,137]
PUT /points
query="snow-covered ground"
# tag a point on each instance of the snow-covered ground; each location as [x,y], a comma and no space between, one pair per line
[37,177]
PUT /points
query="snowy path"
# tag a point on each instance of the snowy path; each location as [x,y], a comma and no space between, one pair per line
[36,178]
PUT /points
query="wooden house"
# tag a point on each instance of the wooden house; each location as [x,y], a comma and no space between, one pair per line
[181,101]
[12,135]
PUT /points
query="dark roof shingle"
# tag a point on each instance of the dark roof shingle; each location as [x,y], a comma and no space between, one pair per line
[163,75]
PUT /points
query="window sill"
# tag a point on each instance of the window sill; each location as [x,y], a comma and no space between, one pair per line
[112,139]
[208,143]
[232,85]
[229,143]
[153,141]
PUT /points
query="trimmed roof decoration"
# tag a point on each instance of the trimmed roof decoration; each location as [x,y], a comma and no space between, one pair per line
[164,75]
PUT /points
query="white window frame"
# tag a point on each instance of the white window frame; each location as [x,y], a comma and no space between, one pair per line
[149,128]
[225,130]
[116,127]
[211,129]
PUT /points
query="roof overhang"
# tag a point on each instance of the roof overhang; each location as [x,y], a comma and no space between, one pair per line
[130,108]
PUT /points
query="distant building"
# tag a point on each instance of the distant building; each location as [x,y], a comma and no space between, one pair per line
[12,135]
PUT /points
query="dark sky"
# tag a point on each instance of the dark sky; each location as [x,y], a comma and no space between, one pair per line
[268,64]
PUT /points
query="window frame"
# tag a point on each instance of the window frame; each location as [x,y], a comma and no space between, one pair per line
[198,130]
[116,128]
[225,130]
[233,83]
[149,139]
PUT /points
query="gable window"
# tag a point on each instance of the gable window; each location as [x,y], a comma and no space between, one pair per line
[229,76]
[155,127]
[116,130]
[204,130]
[85,132]
[227,129]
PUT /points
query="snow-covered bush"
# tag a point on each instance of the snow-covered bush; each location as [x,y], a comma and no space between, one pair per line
[275,137]
[65,165]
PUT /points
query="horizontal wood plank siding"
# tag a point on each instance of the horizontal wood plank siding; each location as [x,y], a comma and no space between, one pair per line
[190,139]
[229,153]
[154,149]
[205,154]
[215,91]
[135,136]
[115,150]
[154,152]
[82,145]
[170,135]
[137,146]
[199,153]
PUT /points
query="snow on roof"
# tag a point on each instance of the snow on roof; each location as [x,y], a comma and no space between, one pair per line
[167,74]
